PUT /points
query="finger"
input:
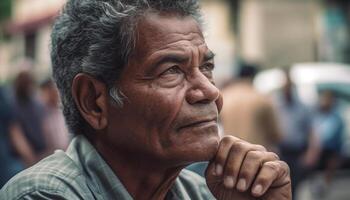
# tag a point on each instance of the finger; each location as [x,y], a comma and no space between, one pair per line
[222,153]
[234,161]
[271,174]
[259,147]
[210,175]
[251,166]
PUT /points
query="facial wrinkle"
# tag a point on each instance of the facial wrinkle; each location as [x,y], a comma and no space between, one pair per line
[191,36]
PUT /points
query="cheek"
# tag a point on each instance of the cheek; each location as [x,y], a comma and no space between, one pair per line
[155,108]
[163,107]
[151,112]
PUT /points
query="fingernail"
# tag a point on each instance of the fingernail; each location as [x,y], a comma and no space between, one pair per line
[257,189]
[241,185]
[218,169]
[228,182]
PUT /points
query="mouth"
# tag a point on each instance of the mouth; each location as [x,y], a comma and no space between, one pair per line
[200,124]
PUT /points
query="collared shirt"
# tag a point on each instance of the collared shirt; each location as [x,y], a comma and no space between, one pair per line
[81,173]
[295,122]
[329,127]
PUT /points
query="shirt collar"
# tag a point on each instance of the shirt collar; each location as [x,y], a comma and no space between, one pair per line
[100,177]
[101,180]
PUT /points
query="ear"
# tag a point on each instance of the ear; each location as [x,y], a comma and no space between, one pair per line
[91,97]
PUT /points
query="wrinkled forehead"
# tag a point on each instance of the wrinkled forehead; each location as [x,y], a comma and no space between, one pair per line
[165,31]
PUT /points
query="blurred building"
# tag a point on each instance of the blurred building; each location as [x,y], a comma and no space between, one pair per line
[281,32]
[268,32]
[278,32]
[25,35]
[220,38]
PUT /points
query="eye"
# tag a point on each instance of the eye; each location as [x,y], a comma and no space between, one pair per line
[207,69]
[172,70]
[171,77]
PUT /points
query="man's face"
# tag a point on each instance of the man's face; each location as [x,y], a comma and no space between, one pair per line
[326,100]
[171,107]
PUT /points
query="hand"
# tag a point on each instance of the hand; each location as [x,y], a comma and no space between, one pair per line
[244,171]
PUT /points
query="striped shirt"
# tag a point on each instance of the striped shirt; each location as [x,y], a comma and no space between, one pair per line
[81,173]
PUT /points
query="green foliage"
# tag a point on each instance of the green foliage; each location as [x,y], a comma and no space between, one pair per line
[5,9]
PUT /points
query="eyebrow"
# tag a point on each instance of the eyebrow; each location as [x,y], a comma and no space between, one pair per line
[182,58]
[178,58]
[172,58]
[208,56]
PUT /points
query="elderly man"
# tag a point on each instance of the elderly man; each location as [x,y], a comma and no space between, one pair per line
[136,83]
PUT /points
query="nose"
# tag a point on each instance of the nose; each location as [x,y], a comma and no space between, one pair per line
[202,90]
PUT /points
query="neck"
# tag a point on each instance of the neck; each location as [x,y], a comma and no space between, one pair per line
[142,179]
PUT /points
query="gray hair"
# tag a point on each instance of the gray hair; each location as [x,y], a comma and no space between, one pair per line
[97,37]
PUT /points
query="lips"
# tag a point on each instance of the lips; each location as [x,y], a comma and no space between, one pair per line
[199,123]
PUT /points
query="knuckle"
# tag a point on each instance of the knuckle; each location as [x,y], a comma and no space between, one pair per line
[243,144]
[254,155]
[228,139]
[273,166]
[284,166]
[260,147]
[274,155]
[238,146]
[263,180]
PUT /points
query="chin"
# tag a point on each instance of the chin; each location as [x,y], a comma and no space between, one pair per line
[207,150]
[194,145]
[202,150]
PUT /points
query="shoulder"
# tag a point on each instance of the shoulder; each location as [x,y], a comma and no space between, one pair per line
[54,176]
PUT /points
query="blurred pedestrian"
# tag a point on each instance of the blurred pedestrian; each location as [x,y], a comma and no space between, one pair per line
[54,124]
[329,127]
[248,114]
[298,146]
[15,151]
[30,113]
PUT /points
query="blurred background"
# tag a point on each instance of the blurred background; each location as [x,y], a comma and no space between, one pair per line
[283,67]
